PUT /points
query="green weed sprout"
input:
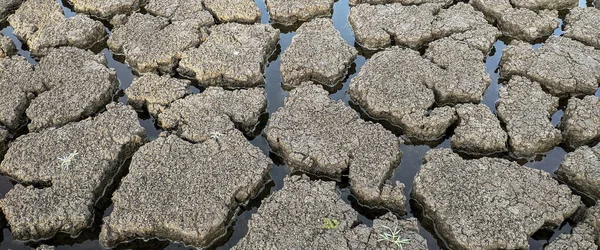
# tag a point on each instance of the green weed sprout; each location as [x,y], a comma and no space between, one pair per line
[66,161]
[330,223]
[393,236]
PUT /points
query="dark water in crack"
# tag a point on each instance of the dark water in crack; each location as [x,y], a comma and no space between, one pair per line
[405,172]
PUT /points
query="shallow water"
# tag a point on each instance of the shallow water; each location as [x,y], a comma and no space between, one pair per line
[405,172]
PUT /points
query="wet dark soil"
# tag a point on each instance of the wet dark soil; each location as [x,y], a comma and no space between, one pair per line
[413,151]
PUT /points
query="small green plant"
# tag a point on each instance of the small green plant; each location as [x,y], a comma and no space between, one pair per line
[393,236]
[330,223]
[215,135]
[66,161]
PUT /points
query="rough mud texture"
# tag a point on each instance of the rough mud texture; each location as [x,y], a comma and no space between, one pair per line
[582,25]
[291,11]
[581,170]
[185,12]
[564,67]
[317,53]
[545,4]
[301,224]
[106,8]
[585,236]
[519,23]
[376,26]
[7,47]
[8,6]
[478,131]
[150,43]
[526,110]
[241,11]
[79,31]
[234,55]
[156,93]
[167,205]
[45,247]
[18,84]
[201,116]
[403,2]
[78,85]
[581,122]
[396,85]
[34,15]
[489,203]
[316,135]
[65,204]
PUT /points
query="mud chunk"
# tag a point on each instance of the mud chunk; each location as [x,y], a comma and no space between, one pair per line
[291,11]
[581,170]
[168,205]
[79,31]
[201,116]
[584,236]
[581,122]
[376,25]
[79,85]
[234,55]
[582,25]
[458,18]
[317,53]
[18,84]
[316,135]
[482,38]
[545,4]
[403,2]
[493,9]
[150,43]
[526,110]
[74,164]
[7,47]
[34,15]
[564,67]
[489,203]
[156,93]
[7,6]
[185,12]
[105,8]
[478,130]
[241,11]
[396,85]
[45,247]
[302,225]
[527,25]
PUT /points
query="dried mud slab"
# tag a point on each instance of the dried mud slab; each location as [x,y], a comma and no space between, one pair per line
[545,4]
[317,53]
[215,111]
[241,11]
[564,67]
[526,110]
[189,200]
[288,12]
[478,131]
[489,203]
[585,236]
[234,55]
[183,12]
[582,25]
[7,47]
[403,2]
[581,170]
[93,149]
[156,93]
[322,137]
[35,15]
[106,9]
[376,26]
[8,6]
[302,224]
[397,85]
[581,122]
[78,83]
[19,86]
[520,23]
[79,31]
[150,43]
